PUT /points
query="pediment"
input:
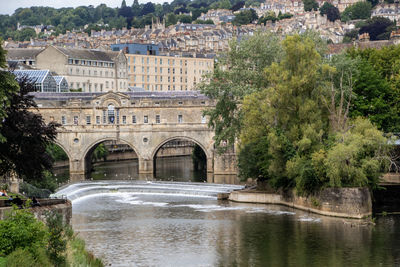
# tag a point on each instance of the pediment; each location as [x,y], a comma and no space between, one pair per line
[116,98]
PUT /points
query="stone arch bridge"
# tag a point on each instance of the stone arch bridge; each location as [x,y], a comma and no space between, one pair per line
[143,120]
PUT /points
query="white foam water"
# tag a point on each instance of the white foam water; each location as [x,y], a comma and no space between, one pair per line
[84,189]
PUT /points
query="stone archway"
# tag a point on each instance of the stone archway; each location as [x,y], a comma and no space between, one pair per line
[208,153]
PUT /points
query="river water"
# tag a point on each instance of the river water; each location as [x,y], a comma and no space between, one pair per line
[164,223]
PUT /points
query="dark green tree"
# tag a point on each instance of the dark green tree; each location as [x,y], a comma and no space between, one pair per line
[245,17]
[330,11]
[147,9]
[310,5]
[27,136]
[8,87]
[378,28]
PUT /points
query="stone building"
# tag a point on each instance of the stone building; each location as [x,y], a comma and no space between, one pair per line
[89,70]
[167,73]
[25,56]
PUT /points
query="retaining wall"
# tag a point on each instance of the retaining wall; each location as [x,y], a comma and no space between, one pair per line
[339,202]
[64,207]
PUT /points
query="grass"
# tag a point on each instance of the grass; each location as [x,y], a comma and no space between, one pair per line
[77,255]
[13,195]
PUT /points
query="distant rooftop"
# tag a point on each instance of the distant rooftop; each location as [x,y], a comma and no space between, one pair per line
[132,95]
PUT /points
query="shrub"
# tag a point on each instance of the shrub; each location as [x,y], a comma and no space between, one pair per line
[21,231]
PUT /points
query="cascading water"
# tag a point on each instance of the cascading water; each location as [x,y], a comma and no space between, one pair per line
[84,189]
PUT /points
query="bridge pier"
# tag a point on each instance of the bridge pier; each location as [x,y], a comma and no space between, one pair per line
[146,169]
[76,170]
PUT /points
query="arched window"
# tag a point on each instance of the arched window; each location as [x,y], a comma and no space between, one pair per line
[111,113]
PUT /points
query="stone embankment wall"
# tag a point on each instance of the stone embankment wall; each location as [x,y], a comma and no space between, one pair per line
[339,202]
[62,206]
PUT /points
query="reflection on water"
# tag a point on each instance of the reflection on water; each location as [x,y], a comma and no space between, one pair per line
[165,228]
[130,229]
[167,169]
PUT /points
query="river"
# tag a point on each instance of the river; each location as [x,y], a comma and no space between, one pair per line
[165,223]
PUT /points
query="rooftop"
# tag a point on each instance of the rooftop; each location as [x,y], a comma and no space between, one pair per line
[132,95]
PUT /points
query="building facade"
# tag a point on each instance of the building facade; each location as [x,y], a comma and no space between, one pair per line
[88,70]
[167,73]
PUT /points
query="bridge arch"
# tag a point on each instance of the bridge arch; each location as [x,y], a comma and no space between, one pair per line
[93,145]
[178,137]
[63,147]
[208,162]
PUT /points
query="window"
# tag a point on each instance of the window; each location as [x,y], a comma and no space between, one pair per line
[63,120]
[111,113]
[180,103]
[123,119]
[180,118]
[160,61]
[133,119]
[97,119]
[158,119]
[88,120]
[146,119]
[104,117]
[76,119]
[203,119]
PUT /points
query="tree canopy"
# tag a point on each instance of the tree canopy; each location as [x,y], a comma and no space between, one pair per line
[295,120]
[26,136]
[359,10]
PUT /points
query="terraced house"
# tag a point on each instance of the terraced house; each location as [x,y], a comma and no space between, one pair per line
[86,69]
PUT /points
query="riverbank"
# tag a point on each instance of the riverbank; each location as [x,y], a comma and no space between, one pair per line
[352,203]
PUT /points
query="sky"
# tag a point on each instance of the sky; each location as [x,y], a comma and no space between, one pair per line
[9,6]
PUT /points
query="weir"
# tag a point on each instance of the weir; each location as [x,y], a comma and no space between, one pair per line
[84,189]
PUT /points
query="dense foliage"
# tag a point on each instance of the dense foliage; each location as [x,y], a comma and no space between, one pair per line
[8,87]
[103,17]
[330,11]
[359,10]
[298,120]
[28,242]
[27,136]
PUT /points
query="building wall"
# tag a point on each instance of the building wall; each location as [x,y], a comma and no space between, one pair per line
[165,73]
[52,59]
[88,78]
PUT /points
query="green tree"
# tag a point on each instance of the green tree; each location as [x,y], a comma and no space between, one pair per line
[225,4]
[245,17]
[330,11]
[237,74]
[310,5]
[378,28]
[8,87]
[359,10]
[27,136]
[358,158]
[350,36]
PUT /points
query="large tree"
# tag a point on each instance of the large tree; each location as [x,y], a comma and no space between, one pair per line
[8,87]
[298,131]
[27,136]
[359,10]
[237,74]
